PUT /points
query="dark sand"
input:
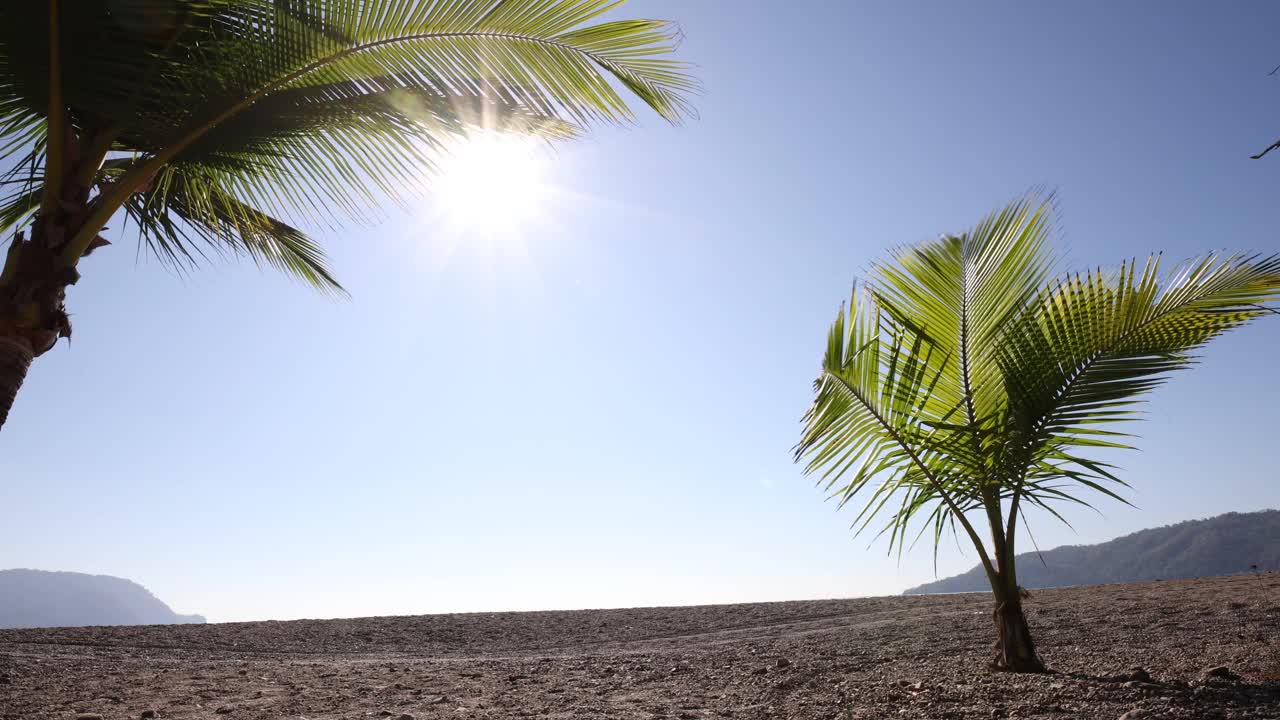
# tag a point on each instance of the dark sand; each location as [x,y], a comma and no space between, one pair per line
[894,657]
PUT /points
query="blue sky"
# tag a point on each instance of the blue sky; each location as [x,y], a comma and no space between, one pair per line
[602,414]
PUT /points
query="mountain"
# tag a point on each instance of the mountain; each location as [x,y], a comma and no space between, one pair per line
[1222,545]
[37,598]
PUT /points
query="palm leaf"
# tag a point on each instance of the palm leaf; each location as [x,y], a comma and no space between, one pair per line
[960,291]
[19,204]
[1086,352]
[185,212]
[884,414]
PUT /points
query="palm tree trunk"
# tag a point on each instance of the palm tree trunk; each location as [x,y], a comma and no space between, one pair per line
[1015,651]
[15,359]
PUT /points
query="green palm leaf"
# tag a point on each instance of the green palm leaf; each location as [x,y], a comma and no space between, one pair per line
[886,411]
[186,211]
[1090,347]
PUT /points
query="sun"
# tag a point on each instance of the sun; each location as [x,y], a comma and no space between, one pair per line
[491,184]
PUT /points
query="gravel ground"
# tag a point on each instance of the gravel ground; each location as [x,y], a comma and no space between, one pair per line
[1137,651]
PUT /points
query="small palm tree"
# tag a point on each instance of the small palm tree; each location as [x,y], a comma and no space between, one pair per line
[219,123]
[967,382]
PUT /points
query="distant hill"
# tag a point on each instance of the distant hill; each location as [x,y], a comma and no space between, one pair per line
[36,598]
[1223,545]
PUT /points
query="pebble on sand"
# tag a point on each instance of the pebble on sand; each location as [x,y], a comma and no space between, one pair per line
[1221,671]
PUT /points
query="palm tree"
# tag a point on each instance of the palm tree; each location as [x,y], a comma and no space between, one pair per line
[967,381]
[216,125]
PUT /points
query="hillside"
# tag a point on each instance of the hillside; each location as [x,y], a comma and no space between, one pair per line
[37,598]
[1222,545]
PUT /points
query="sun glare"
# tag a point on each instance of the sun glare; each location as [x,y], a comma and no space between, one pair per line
[491,184]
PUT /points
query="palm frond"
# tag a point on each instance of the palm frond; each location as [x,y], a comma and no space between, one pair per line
[18,205]
[348,148]
[885,412]
[186,213]
[1092,345]
[961,291]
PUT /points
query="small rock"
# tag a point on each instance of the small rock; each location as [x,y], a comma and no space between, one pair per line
[1143,686]
[88,716]
[148,714]
[224,710]
[405,716]
[1221,671]
[1137,714]
[1139,674]
[782,663]
[385,713]
[760,671]
[438,700]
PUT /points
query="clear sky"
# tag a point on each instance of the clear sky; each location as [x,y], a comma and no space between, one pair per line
[602,413]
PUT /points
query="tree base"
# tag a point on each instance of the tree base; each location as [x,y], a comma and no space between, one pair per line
[1014,649]
[1000,663]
